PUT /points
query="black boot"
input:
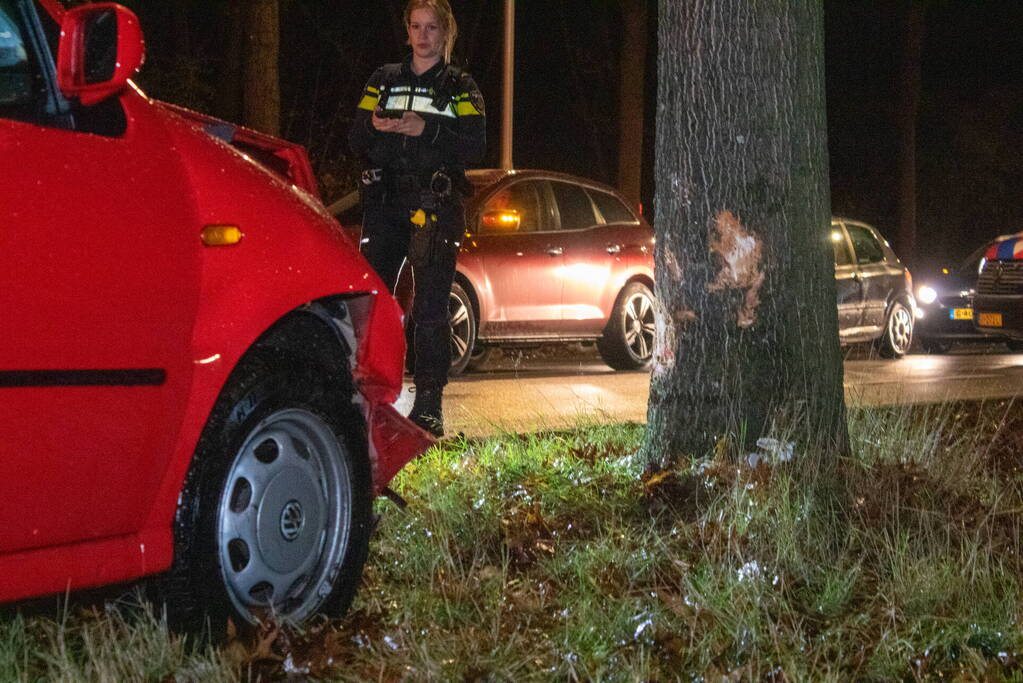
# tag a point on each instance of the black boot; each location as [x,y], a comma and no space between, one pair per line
[426,411]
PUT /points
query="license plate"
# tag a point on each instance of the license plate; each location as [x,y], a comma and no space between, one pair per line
[990,319]
[961,314]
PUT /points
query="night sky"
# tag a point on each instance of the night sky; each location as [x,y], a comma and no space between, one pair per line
[970,124]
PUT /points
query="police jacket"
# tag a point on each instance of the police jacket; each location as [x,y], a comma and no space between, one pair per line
[445,97]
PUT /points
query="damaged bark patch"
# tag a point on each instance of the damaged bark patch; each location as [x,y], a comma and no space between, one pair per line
[666,323]
[740,253]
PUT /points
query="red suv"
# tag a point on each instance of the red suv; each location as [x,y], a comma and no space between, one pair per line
[197,366]
[547,257]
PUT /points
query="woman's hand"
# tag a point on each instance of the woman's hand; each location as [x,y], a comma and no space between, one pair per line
[384,125]
[410,123]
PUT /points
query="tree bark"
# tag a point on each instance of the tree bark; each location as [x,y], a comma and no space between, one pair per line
[631,99]
[747,331]
[909,107]
[230,91]
[262,91]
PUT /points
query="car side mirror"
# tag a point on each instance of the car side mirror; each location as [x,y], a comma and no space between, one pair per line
[101,47]
[501,221]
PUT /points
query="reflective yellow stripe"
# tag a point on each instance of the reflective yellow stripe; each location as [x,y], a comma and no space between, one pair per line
[466,109]
[373,91]
[369,102]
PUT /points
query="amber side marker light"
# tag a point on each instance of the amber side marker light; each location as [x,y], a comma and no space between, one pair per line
[221,235]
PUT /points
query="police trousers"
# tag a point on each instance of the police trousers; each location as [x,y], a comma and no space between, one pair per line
[389,239]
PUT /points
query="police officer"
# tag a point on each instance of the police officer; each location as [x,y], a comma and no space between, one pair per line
[418,125]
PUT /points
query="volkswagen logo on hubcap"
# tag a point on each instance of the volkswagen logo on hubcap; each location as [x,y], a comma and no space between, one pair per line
[292,520]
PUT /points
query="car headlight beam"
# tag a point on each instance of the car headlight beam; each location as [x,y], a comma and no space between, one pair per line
[926,295]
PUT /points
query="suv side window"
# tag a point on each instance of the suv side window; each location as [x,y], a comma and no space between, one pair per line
[522,198]
[574,205]
[22,84]
[611,208]
[866,246]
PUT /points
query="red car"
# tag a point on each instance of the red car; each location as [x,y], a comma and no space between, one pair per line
[548,257]
[197,366]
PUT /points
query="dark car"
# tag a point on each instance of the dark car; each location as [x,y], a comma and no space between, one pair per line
[946,311]
[548,257]
[875,291]
[999,299]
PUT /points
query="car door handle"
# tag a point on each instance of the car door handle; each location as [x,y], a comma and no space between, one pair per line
[555,251]
[614,248]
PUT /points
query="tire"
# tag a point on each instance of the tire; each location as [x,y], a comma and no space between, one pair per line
[898,332]
[935,347]
[1015,345]
[274,518]
[627,342]
[463,329]
[481,355]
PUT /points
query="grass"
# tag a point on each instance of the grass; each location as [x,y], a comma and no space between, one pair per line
[554,556]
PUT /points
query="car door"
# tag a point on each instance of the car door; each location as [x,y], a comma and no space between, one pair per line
[874,274]
[847,282]
[590,248]
[521,292]
[99,267]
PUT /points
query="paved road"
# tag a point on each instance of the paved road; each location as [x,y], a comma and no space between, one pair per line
[561,388]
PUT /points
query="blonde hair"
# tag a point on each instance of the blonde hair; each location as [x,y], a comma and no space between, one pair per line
[445,17]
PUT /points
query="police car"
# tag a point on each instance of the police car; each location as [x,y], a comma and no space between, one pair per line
[999,301]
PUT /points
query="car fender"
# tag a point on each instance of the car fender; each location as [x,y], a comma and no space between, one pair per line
[291,252]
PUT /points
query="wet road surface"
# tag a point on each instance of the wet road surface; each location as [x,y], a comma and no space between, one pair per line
[563,387]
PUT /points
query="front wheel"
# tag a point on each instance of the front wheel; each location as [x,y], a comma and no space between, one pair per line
[628,340]
[898,332]
[274,519]
[463,329]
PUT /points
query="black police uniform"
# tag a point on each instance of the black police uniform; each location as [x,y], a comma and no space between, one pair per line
[407,175]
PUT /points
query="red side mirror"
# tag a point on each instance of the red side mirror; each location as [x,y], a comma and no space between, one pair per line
[101,47]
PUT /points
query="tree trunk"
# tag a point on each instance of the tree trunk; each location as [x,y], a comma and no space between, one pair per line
[909,107]
[747,338]
[631,99]
[229,95]
[262,94]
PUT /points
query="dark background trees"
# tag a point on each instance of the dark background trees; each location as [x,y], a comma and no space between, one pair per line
[969,131]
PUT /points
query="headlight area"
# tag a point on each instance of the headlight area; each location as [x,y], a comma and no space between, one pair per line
[926,295]
[378,364]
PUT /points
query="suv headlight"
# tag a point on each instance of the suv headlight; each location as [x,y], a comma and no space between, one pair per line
[926,295]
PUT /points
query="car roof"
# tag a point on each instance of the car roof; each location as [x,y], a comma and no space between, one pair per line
[489,176]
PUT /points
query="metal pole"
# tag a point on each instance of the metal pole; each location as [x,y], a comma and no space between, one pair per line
[507,104]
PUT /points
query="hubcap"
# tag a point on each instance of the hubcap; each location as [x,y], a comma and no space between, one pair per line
[901,329]
[461,328]
[284,517]
[639,326]
[292,520]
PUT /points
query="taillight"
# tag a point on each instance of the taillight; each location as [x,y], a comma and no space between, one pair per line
[909,279]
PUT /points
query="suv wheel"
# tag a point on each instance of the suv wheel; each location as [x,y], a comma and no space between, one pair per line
[898,332]
[628,340]
[463,329]
[274,519]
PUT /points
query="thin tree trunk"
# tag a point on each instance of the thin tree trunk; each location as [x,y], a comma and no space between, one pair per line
[262,96]
[909,107]
[631,99]
[229,97]
[747,339]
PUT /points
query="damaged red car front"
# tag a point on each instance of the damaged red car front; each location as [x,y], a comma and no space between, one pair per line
[198,367]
